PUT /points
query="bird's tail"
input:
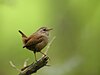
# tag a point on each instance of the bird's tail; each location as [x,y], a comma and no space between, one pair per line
[23,35]
[24,46]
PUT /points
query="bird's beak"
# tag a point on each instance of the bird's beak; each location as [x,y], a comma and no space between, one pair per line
[50,29]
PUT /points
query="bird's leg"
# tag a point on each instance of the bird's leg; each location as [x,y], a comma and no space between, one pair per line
[35,56]
[43,53]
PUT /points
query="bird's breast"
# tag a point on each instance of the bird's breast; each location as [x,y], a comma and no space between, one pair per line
[42,44]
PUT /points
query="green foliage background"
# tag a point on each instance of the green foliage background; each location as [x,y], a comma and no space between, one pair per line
[76,24]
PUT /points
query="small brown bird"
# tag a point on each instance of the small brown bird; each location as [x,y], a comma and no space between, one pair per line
[37,41]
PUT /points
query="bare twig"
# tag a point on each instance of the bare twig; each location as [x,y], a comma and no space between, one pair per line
[49,44]
[12,65]
[25,62]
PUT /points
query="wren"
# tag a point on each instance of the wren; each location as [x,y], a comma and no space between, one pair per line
[37,41]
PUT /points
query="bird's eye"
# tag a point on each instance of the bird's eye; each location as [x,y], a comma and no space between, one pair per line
[44,29]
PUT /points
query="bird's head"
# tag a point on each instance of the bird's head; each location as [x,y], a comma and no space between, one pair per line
[44,30]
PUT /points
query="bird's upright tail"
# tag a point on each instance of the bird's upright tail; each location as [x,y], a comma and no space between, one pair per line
[23,35]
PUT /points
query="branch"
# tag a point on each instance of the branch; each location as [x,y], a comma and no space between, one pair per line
[34,67]
[28,70]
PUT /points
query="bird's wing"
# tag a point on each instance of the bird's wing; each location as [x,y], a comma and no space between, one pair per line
[33,40]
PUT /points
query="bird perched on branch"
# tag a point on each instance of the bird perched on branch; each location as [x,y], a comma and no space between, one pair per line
[37,41]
